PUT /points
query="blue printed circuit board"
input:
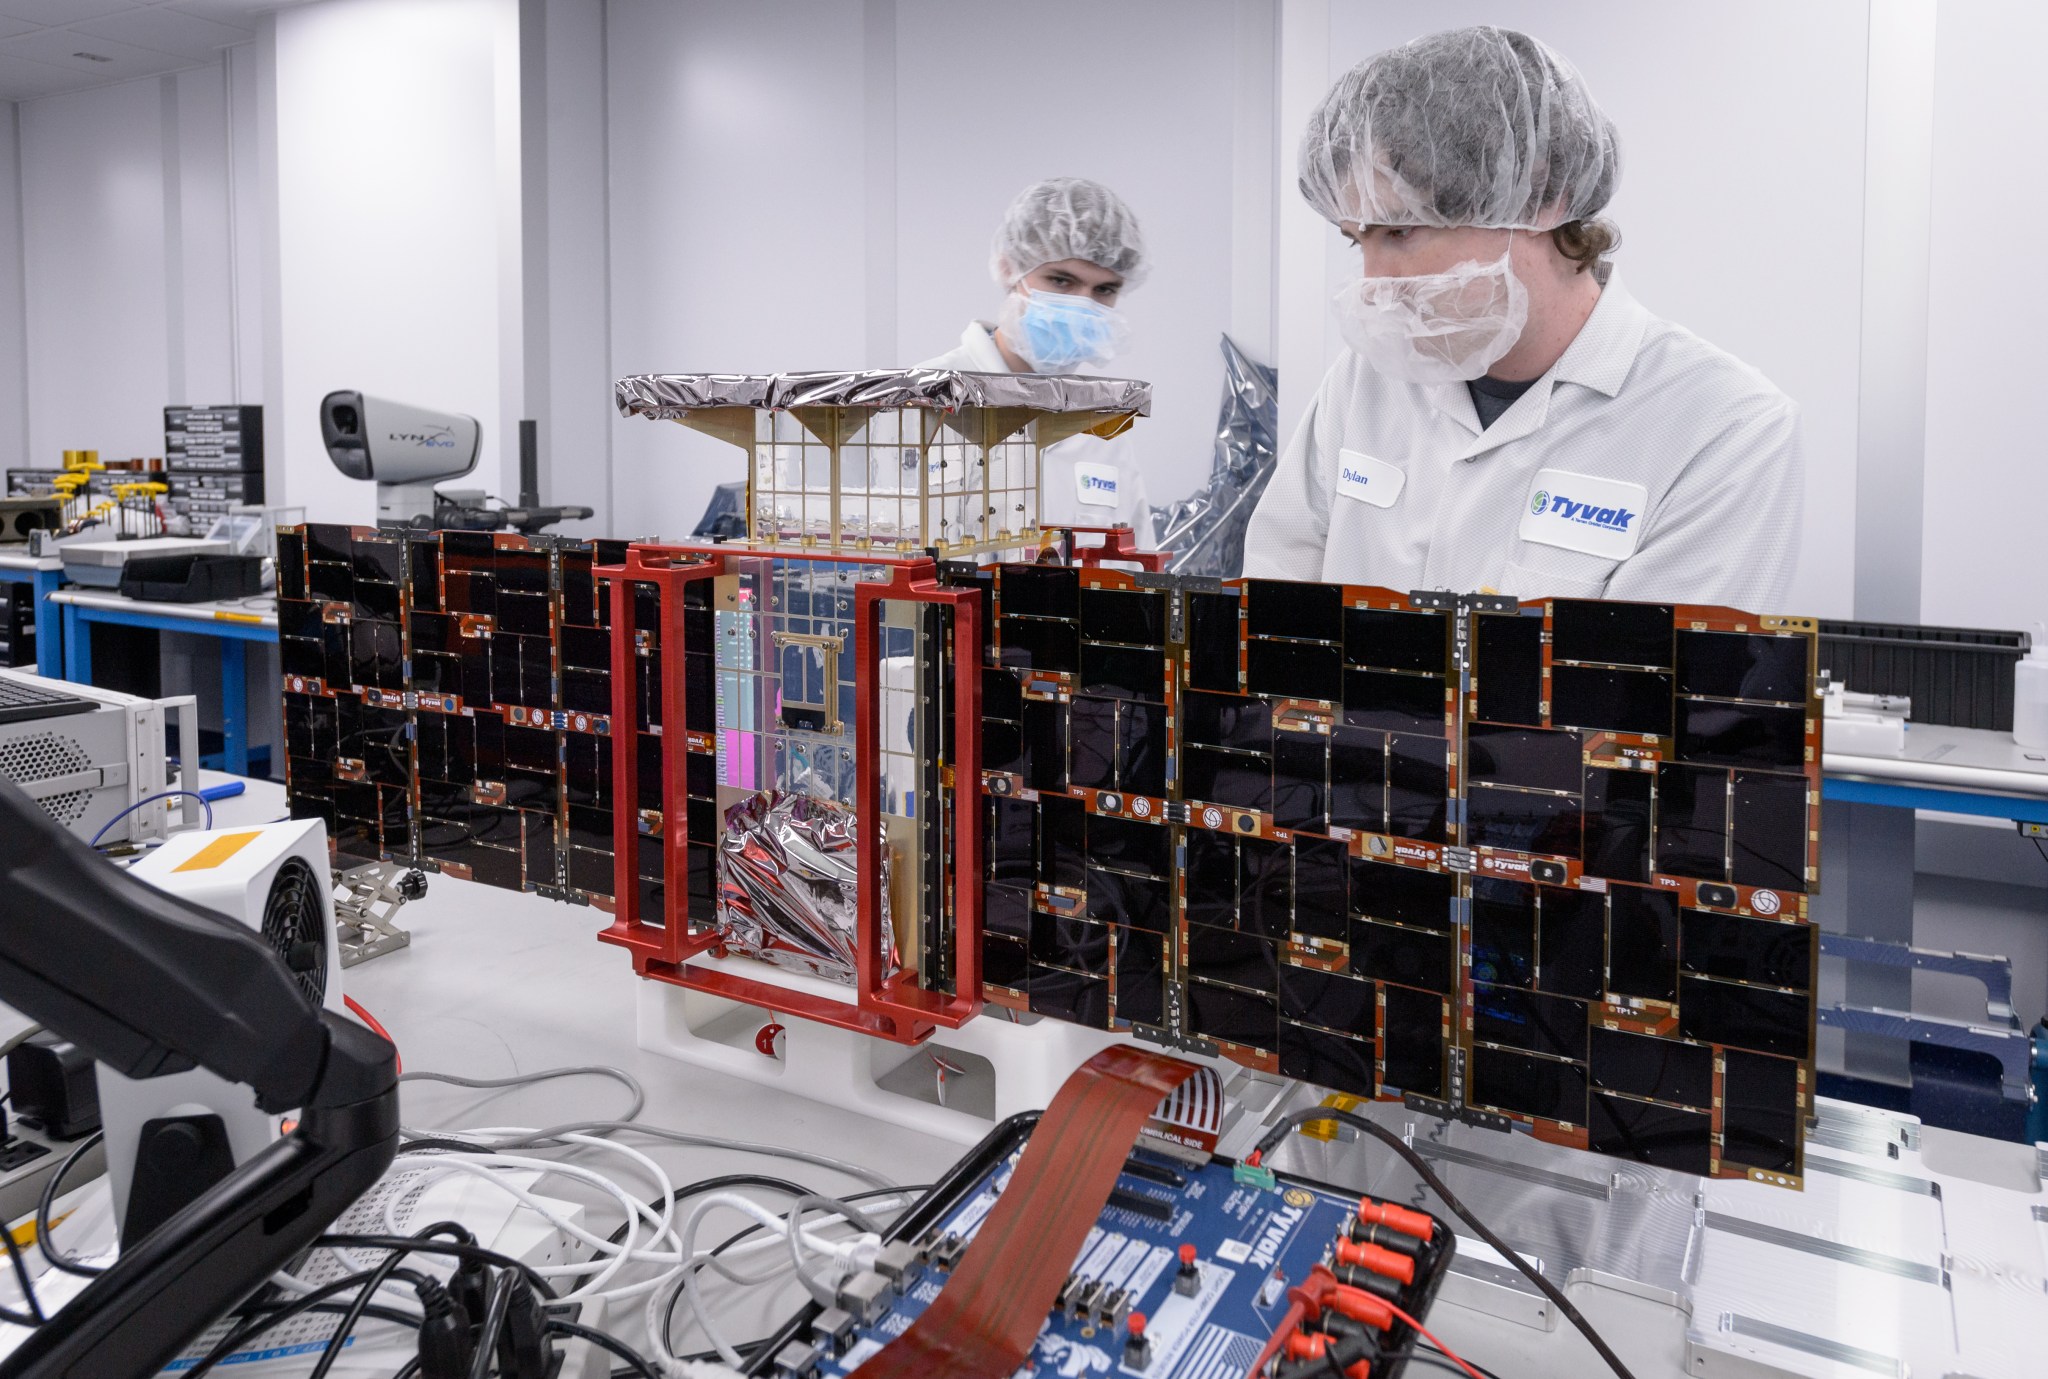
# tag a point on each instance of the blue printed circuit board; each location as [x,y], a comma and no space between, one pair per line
[1208,1318]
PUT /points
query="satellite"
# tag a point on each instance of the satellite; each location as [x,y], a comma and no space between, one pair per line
[1544,863]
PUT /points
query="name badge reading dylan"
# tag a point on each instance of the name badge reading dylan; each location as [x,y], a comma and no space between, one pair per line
[1368,480]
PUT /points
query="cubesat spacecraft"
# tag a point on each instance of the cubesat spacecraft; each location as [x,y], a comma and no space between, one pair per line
[910,753]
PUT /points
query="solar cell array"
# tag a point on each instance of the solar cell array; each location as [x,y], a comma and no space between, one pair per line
[1546,863]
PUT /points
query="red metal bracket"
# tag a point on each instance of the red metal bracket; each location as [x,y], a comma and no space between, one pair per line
[892,1007]
[900,996]
[668,569]
[1118,543]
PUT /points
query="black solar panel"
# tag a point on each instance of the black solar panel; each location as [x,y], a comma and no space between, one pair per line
[1546,861]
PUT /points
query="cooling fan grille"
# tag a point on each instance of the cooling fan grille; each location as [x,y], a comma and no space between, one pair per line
[295,926]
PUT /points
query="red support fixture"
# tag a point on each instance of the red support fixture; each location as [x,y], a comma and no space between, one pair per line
[1118,544]
[664,938]
[890,1006]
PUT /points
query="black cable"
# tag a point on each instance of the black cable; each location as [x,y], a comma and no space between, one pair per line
[1449,1199]
[635,1361]
[239,1336]
[376,1309]
[274,1313]
[390,1267]
[353,1313]
[2038,848]
[497,1306]
[58,1259]
[407,1245]
[668,1319]
[1434,1356]
[698,1189]
[427,1143]
[262,1316]
[1437,1359]
[412,1367]
[36,1315]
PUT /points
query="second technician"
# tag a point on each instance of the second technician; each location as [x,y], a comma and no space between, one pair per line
[1507,417]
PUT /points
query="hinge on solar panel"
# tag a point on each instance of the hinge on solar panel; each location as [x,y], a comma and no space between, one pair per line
[1167,1039]
[1173,617]
[1177,811]
[1442,599]
[1490,603]
[1458,859]
[1429,1105]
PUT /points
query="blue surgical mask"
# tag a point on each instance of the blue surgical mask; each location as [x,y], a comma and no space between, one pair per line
[1054,332]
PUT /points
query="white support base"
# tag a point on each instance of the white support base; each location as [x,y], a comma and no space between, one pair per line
[1007,1067]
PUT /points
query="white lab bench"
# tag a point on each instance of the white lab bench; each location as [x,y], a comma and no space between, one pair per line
[1910,1251]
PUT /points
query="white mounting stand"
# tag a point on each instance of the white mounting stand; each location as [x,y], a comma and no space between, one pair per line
[999,1067]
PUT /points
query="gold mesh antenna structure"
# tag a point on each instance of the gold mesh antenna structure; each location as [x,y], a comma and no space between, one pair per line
[881,462]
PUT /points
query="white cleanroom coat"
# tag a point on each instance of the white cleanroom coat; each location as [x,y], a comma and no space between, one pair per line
[1085,481]
[1647,464]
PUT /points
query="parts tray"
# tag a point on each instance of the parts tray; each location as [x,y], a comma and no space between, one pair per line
[1960,677]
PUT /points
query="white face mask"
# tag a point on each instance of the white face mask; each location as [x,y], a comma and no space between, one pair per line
[1437,327]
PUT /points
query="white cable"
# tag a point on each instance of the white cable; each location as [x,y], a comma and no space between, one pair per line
[610,1258]
[687,1275]
[481,1166]
[854,1255]
[489,1168]
[516,1138]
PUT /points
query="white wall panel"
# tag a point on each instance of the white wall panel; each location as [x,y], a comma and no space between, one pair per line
[94,248]
[251,225]
[576,417]
[202,330]
[391,241]
[1986,488]
[760,154]
[1149,106]
[1741,203]
[13,322]
[129,253]
[736,214]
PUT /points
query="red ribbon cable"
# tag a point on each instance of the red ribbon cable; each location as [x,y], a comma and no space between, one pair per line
[989,1315]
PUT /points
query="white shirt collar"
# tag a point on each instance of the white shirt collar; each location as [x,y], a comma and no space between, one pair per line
[1599,357]
[1605,348]
[979,341]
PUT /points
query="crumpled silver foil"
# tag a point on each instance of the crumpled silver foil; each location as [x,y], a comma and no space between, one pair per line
[1205,531]
[671,396]
[788,885]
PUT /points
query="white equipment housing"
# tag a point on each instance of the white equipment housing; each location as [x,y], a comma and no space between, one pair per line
[85,768]
[275,878]
[405,450]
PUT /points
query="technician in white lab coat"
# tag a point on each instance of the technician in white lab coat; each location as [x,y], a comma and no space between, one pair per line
[1067,251]
[1507,417]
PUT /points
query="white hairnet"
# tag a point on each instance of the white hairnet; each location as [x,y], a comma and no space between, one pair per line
[1480,126]
[1068,218]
